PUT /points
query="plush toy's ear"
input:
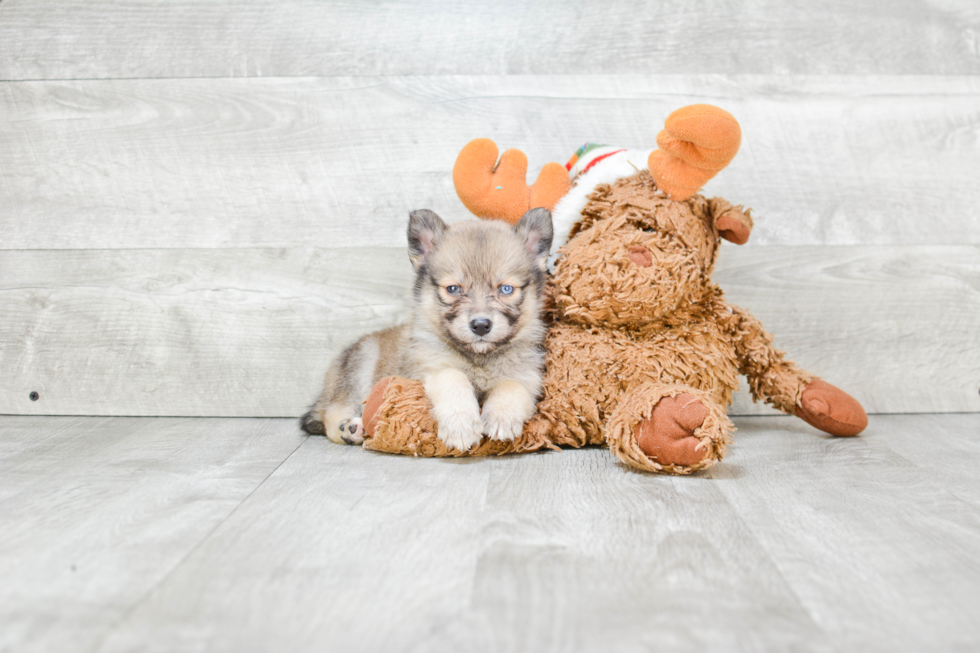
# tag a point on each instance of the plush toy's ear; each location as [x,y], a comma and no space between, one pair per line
[733,223]
[696,143]
[733,230]
[424,229]
[499,191]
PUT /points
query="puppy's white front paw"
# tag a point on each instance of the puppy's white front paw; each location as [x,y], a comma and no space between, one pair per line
[506,409]
[455,408]
[460,429]
[501,424]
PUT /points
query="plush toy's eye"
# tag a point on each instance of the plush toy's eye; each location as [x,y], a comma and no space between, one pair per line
[506,290]
[453,290]
[649,230]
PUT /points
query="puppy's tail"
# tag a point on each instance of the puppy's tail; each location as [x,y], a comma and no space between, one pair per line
[312,423]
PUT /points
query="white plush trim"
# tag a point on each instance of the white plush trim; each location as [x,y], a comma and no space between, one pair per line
[568,210]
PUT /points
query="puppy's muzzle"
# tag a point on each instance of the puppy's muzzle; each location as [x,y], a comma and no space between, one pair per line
[481,326]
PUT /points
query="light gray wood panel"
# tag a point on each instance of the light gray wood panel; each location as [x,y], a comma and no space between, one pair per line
[250,332]
[341,550]
[340,161]
[186,332]
[946,446]
[876,544]
[346,550]
[580,553]
[896,327]
[97,512]
[218,39]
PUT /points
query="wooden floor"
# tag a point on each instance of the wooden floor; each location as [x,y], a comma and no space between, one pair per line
[193,534]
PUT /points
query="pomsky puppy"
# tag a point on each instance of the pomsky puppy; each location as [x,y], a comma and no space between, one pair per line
[475,337]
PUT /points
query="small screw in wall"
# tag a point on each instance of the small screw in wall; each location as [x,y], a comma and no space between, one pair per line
[34,396]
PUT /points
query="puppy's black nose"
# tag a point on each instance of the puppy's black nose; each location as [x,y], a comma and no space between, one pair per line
[481,326]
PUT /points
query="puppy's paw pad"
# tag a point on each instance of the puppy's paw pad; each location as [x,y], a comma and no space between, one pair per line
[355,430]
[350,431]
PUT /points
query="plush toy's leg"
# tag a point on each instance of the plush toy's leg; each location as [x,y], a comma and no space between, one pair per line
[830,409]
[668,428]
[397,420]
[790,388]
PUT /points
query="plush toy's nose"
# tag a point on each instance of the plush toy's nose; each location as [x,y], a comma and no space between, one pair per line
[641,256]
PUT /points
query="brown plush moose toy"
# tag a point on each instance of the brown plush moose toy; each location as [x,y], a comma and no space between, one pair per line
[643,353]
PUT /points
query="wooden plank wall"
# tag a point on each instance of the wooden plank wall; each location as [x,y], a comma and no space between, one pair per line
[200,203]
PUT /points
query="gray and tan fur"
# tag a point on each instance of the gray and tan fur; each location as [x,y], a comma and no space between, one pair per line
[469,341]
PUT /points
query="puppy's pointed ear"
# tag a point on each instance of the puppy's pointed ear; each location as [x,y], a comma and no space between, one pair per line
[536,231]
[424,230]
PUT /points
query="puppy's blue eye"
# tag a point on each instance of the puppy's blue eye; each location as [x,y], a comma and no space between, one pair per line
[506,290]
[453,290]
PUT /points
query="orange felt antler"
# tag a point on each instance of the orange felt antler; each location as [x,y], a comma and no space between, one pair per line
[697,142]
[499,191]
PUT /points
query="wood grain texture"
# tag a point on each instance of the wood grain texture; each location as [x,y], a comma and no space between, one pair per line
[250,332]
[796,541]
[895,326]
[341,551]
[875,542]
[937,444]
[111,38]
[605,558]
[537,553]
[339,161]
[97,512]
[187,332]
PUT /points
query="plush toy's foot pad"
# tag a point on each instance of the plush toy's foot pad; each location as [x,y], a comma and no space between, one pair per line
[397,420]
[830,409]
[668,435]
[372,406]
[674,429]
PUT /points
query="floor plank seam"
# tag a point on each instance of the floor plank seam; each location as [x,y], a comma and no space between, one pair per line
[775,566]
[180,563]
[913,463]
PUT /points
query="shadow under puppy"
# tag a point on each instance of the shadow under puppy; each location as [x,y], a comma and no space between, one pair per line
[475,337]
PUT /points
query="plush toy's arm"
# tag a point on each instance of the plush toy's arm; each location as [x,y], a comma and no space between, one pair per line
[787,386]
[397,420]
[771,377]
